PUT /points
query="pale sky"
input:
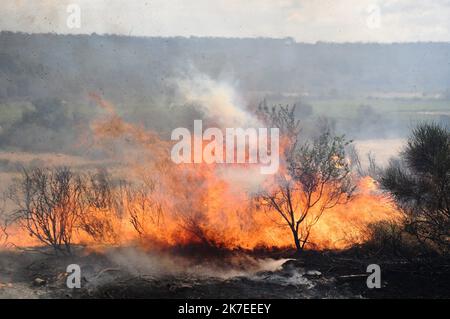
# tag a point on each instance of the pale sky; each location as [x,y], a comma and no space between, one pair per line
[303,20]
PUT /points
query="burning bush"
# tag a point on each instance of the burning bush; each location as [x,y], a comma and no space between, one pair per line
[143,210]
[49,204]
[56,204]
[419,181]
[101,208]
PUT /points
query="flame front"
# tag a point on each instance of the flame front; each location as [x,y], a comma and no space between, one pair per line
[200,203]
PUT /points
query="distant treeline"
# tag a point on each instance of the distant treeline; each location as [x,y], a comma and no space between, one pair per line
[41,65]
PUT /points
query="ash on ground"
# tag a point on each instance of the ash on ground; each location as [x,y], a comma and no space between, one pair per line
[132,273]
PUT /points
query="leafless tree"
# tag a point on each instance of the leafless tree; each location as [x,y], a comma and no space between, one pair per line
[49,202]
[316,178]
[372,169]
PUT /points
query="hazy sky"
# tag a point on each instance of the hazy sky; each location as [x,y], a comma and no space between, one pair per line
[304,20]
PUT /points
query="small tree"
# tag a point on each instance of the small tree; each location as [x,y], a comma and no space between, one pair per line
[49,204]
[419,181]
[316,178]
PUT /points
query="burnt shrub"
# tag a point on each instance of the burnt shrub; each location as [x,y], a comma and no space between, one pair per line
[49,205]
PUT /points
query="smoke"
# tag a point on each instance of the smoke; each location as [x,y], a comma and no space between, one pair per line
[139,263]
[223,106]
[382,149]
[218,100]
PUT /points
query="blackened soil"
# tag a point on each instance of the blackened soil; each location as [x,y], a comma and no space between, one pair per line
[400,278]
[311,275]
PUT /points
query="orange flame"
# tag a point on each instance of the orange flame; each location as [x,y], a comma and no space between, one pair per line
[198,203]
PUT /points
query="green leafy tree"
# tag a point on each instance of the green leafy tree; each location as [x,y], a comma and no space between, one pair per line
[316,179]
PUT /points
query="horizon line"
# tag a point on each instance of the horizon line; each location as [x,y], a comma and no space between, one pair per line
[291,40]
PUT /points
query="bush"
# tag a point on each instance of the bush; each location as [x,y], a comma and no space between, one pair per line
[101,211]
[419,181]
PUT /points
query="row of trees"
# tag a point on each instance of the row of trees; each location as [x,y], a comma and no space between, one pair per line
[52,204]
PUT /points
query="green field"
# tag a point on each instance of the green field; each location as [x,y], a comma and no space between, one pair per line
[400,107]
[402,110]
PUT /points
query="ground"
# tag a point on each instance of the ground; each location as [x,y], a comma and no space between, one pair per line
[132,273]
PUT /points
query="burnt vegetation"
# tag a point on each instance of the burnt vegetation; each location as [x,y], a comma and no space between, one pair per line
[44,110]
[54,205]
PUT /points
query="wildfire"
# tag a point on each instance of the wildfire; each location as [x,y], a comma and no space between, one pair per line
[179,204]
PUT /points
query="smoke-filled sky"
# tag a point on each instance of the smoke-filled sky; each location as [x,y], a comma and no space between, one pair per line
[304,20]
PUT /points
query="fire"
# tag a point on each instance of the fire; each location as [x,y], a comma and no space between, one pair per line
[346,225]
[212,213]
[178,204]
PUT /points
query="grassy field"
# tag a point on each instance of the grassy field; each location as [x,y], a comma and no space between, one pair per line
[398,107]
[331,107]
